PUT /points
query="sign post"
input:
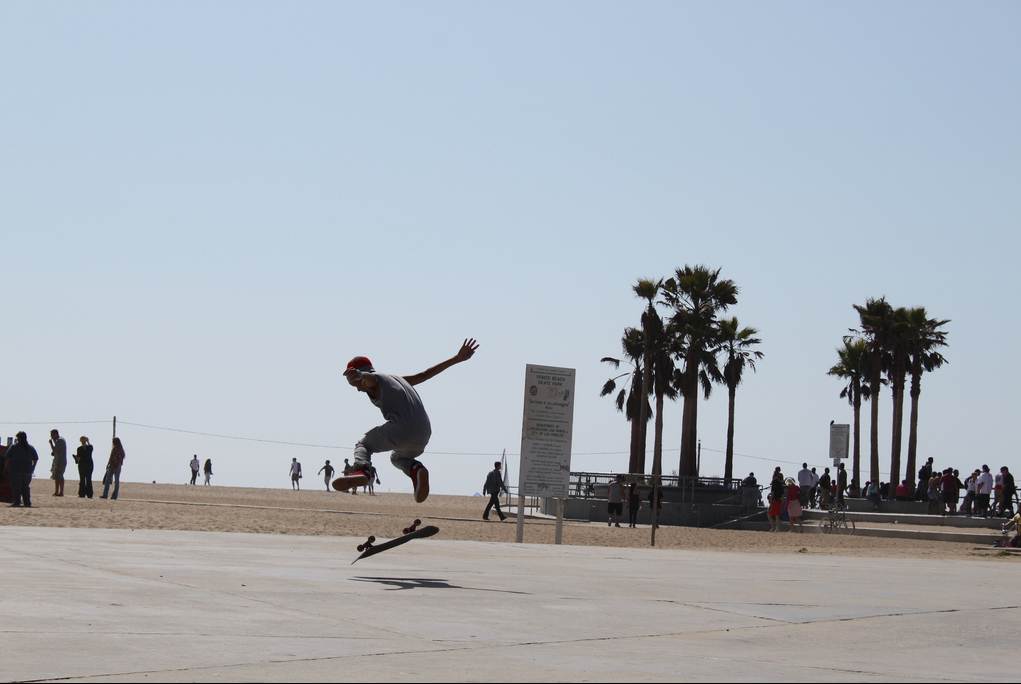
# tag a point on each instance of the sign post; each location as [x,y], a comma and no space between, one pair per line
[840,440]
[546,437]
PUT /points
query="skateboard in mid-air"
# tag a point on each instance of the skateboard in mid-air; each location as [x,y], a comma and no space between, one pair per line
[370,548]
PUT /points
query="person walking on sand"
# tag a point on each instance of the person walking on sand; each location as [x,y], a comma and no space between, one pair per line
[113,470]
[295,474]
[373,477]
[207,469]
[494,485]
[19,464]
[407,430]
[327,472]
[615,501]
[58,449]
[83,457]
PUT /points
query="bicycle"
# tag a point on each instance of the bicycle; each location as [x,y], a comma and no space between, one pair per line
[837,521]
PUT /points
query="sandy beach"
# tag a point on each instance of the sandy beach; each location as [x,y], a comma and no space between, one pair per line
[322,513]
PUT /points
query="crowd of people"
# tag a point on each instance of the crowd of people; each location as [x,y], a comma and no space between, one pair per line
[981,493]
[20,460]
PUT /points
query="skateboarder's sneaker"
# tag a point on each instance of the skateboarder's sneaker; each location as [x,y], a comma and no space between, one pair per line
[420,479]
[358,478]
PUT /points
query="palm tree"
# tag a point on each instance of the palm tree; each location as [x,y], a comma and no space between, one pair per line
[876,319]
[737,344]
[852,369]
[647,289]
[926,338]
[630,397]
[696,295]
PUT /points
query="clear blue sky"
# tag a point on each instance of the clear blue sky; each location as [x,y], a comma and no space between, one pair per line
[208,208]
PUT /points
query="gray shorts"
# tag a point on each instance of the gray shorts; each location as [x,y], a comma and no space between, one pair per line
[380,439]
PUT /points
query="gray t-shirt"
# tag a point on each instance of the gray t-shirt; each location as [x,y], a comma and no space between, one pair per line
[615,494]
[403,410]
[59,453]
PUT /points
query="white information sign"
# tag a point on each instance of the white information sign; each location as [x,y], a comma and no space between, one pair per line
[840,439]
[546,432]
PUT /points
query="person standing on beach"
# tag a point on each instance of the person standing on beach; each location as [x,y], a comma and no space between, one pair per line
[1009,490]
[494,485]
[58,449]
[295,474]
[806,479]
[824,489]
[841,483]
[983,490]
[207,469]
[407,430]
[327,472]
[656,506]
[794,493]
[634,504]
[19,464]
[83,457]
[924,473]
[113,470]
[196,465]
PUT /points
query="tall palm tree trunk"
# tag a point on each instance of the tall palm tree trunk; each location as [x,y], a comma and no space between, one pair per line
[728,465]
[657,443]
[874,434]
[636,446]
[856,458]
[898,431]
[689,417]
[643,410]
[913,430]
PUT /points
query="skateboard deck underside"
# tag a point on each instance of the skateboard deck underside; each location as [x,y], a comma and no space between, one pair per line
[421,533]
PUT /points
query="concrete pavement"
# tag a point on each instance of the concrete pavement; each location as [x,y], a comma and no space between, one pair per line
[161,606]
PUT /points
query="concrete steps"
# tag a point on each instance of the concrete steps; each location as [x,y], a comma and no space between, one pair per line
[902,525]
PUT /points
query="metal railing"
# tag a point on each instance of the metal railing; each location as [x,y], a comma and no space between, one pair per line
[682,489]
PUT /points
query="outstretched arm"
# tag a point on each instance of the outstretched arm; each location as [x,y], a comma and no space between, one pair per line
[466,352]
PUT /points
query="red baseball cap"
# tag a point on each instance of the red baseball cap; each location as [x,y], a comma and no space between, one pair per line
[360,363]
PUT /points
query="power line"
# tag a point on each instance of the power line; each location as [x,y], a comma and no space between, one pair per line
[234,437]
[54,422]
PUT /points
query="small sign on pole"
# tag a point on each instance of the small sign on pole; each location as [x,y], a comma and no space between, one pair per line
[546,437]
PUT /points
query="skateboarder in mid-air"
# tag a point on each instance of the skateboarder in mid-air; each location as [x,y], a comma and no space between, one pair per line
[407,429]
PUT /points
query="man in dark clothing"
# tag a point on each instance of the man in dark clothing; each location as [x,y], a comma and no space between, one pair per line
[824,489]
[494,485]
[83,457]
[841,483]
[924,473]
[19,466]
